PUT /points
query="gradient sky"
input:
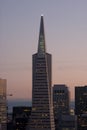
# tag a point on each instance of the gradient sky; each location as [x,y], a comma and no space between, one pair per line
[66,39]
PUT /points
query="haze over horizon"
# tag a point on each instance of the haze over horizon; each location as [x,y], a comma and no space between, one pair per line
[66,39]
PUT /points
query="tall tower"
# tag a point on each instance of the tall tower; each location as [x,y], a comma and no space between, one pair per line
[3,105]
[42,107]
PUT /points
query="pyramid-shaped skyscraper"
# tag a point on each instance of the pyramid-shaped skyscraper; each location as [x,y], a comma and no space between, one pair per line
[42,117]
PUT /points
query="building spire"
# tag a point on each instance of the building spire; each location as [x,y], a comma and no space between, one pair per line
[41,42]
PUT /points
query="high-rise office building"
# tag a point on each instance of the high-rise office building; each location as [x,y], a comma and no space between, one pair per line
[81,107]
[60,102]
[60,99]
[42,117]
[3,105]
[81,100]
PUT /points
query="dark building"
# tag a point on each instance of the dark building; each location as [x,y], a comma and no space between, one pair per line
[3,104]
[67,122]
[81,107]
[21,117]
[42,117]
[60,99]
[61,102]
[9,121]
[81,100]
[82,122]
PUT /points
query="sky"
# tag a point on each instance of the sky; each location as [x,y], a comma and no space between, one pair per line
[65,24]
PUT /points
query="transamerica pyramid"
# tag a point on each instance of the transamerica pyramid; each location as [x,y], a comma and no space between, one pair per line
[42,117]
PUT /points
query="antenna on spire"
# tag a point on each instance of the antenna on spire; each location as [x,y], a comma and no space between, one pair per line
[42,15]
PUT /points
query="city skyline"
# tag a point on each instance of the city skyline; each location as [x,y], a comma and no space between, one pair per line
[66,29]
